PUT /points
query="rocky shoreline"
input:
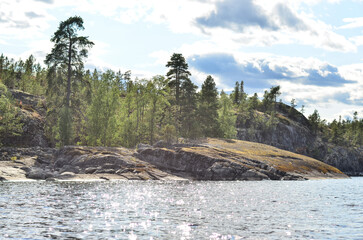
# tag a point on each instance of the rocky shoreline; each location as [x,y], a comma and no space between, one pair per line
[210,159]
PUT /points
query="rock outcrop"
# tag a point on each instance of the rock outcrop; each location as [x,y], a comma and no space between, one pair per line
[209,159]
[75,162]
[215,159]
[33,112]
[292,133]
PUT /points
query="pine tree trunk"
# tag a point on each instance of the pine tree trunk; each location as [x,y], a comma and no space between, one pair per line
[69,75]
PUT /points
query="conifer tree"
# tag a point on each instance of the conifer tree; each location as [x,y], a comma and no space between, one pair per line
[253,102]
[236,94]
[242,94]
[69,50]
[314,120]
[177,73]
[208,109]
[189,126]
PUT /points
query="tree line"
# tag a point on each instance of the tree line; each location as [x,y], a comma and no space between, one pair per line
[112,109]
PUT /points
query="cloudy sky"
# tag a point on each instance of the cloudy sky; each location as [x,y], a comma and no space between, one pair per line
[313,49]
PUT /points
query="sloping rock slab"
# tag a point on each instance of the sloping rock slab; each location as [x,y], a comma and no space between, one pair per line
[236,160]
[103,162]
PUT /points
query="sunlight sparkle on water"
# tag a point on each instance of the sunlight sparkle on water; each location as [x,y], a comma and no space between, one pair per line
[183,210]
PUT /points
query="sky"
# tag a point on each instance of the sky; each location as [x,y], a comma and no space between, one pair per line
[313,49]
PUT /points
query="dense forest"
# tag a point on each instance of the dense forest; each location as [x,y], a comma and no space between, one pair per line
[110,108]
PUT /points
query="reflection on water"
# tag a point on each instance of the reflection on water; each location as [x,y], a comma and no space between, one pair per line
[329,209]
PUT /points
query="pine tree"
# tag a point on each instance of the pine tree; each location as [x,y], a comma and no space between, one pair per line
[208,109]
[236,94]
[253,102]
[314,120]
[189,126]
[242,94]
[69,50]
[177,73]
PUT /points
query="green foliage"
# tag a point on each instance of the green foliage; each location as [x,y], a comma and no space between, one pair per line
[26,76]
[269,99]
[65,126]
[314,120]
[345,132]
[110,109]
[190,128]
[177,73]
[253,102]
[68,53]
[102,111]
[227,116]
[236,94]
[157,90]
[10,120]
[169,133]
[178,76]
[208,109]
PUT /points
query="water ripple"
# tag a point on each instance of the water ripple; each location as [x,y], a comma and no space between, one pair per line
[329,209]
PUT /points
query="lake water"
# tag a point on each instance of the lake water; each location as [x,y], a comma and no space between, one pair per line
[324,209]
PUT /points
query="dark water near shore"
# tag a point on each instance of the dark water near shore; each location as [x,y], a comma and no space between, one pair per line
[324,209]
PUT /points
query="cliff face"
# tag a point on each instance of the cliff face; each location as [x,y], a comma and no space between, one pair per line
[293,134]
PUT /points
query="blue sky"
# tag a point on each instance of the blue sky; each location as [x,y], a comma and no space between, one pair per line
[313,49]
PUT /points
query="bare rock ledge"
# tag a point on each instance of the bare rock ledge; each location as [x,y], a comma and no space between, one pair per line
[208,159]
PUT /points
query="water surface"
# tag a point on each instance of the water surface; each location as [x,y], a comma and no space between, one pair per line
[325,209]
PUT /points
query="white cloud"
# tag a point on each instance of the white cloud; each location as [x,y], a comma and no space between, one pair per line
[312,82]
[331,102]
[162,56]
[199,77]
[178,15]
[262,23]
[19,19]
[352,23]
[324,99]
[358,40]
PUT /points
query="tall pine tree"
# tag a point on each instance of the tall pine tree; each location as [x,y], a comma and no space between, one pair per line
[189,126]
[208,109]
[177,74]
[69,50]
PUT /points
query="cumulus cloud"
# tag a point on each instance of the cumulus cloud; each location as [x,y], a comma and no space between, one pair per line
[236,15]
[262,73]
[313,83]
[239,14]
[325,75]
[278,22]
